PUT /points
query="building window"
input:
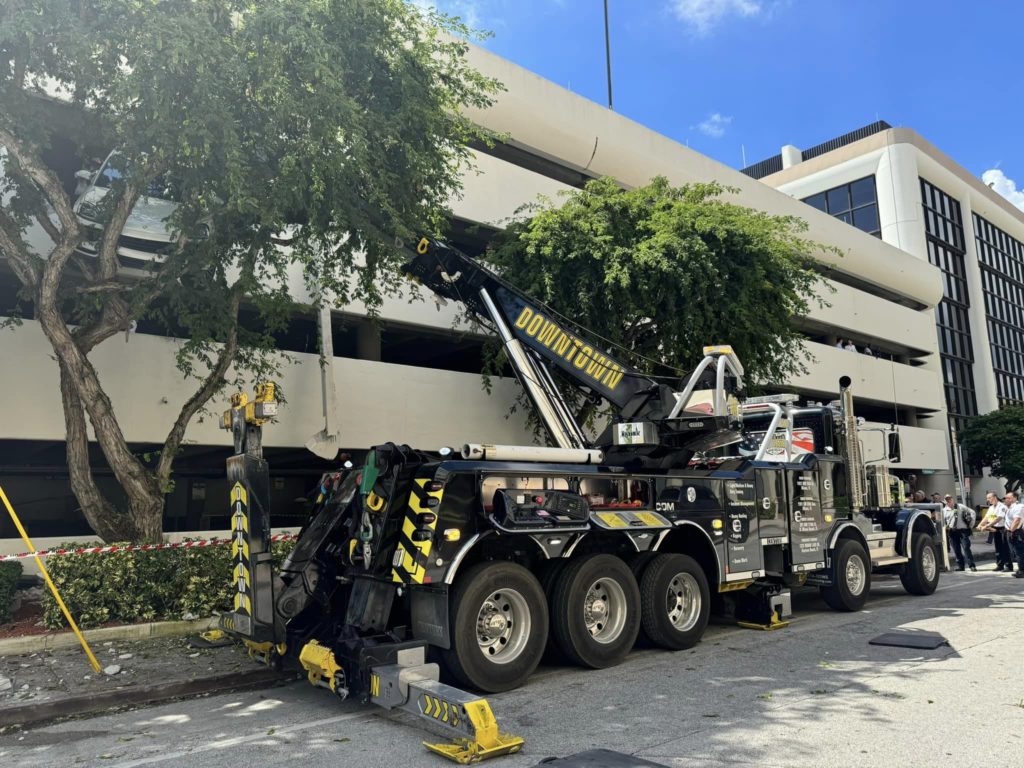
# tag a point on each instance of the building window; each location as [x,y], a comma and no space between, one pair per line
[945,234]
[1001,259]
[855,203]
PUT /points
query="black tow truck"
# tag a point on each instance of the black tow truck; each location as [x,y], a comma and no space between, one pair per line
[477,559]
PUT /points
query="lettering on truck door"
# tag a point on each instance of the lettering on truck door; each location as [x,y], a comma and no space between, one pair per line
[807,526]
[743,542]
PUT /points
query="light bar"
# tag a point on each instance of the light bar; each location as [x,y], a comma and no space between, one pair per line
[763,399]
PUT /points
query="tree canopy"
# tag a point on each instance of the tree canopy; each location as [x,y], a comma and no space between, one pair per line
[300,138]
[662,271]
[996,440]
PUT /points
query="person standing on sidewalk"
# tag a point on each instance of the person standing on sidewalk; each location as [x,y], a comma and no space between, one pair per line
[959,526]
[1015,530]
[995,521]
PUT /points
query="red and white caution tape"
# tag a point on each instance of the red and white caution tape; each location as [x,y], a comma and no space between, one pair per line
[193,544]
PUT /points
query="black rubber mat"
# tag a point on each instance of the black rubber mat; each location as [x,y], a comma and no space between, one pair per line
[927,641]
[599,758]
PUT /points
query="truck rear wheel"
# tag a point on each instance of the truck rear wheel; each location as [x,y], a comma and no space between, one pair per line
[595,611]
[499,624]
[851,577]
[921,575]
[675,602]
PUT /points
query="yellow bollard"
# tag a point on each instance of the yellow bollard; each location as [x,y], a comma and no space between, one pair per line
[49,582]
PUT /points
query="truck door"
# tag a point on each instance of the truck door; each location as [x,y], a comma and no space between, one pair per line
[742,536]
[807,526]
[770,489]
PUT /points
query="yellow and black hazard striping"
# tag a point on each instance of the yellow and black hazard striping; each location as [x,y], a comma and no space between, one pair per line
[240,549]
[411,557]
[375,685]
[439,709]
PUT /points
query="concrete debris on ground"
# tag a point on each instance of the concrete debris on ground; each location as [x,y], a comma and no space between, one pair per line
[51,676]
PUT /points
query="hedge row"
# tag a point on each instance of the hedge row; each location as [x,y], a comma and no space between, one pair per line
[138,586]
[9,575]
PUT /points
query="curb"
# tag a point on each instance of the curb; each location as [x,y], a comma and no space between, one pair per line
[15,646]
[92,704]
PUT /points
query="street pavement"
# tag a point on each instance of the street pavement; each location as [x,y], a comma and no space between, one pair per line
[813,694]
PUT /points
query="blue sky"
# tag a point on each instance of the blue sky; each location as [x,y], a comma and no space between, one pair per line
[726,76]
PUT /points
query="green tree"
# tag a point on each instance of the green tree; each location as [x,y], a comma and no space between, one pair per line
[335,125]
[996,440]
[663,271]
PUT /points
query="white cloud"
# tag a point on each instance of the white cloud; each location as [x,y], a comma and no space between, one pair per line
[714,125]
[996,179]
[467,10]
[704,15]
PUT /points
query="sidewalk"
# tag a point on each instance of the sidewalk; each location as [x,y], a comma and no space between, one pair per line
[48,685]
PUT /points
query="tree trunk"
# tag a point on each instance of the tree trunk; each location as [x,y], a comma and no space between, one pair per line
[143,492]
[110,523]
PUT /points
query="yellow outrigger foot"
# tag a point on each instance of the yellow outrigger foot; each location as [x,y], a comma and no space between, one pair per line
[485,741]
[266,653]
[775,623]
[465,752]
[412,686]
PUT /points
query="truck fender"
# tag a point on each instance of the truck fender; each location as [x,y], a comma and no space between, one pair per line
[858,534]
[455,562]
[687,524]
[905,522]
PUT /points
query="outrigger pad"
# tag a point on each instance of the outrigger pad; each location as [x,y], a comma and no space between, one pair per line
[927,641]
[599,758]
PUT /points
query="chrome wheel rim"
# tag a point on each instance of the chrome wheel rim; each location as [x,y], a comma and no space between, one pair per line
[856,575]
[683,601]
[928,564]
[503,626]
[604,610]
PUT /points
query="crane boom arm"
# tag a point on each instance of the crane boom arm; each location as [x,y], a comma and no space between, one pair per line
[454,275]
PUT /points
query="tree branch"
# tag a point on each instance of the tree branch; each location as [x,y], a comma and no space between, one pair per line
[213,382]
[107,252]
[45,179]
[20,261]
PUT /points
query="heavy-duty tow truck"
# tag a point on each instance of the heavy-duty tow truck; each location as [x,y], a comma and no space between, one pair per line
[478,560]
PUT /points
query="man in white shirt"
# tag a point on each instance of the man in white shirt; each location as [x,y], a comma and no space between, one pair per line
[840,344]
[850,346]
[959,525]
[995,521]
[1015,530]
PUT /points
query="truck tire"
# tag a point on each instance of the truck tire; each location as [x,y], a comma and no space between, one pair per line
[595,611]
[499,624]
[921,575]
[638,564]
[675,602]
[851,577]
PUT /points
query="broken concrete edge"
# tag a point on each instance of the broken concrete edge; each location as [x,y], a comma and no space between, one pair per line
[94,704]
[52,641]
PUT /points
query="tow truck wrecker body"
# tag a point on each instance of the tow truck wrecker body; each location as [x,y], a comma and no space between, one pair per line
[689,499]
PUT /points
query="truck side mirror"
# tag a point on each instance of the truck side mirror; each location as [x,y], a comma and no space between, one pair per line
[895,448]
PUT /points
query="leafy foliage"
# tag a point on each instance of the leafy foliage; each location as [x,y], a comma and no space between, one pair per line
[300,139]
[996,440]
[662,271]
[9,575]
[137,586]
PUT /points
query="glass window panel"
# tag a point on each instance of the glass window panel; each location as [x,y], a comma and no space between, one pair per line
[866,218]
[838,200]
[862,192]
[818,201]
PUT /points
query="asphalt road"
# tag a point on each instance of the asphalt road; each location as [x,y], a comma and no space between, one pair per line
[813,694]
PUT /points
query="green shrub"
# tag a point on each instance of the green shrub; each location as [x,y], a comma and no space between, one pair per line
[139,586]
[9,575]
